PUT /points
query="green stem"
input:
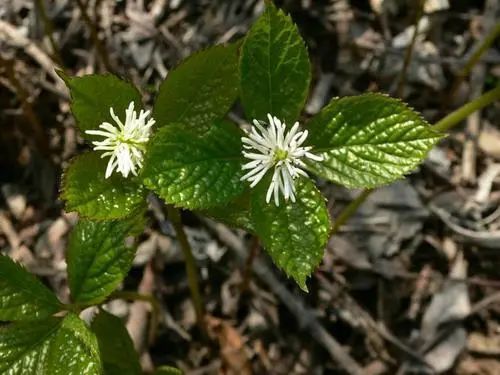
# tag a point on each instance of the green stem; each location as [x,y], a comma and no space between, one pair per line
[76,308]
[445,124]
[49,32]
[101,51]
[474,59]
[350,210]
[409,50]
[247,270]
[461,113]
[191,269]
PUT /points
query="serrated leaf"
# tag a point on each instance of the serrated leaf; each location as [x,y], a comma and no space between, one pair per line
[274,68]
[368,140]
[115,345]
[236,213]
[73,350]
[98,259]
[24,346]
[88,192]
[294,234]
[195,172]
[93,95]
[200,90]
[49,347]
[22,296]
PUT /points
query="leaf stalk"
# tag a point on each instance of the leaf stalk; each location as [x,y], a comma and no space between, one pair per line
[191,269]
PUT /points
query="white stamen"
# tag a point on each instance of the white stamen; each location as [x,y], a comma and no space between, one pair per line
[124,143]
[272,147]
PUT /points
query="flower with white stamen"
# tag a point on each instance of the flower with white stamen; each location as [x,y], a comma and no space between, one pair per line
[124,143]
[272,147]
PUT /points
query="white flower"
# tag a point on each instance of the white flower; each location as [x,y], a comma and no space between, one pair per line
[125,144]
[271,147]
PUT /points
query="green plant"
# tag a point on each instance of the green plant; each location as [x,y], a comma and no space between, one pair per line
[193,157]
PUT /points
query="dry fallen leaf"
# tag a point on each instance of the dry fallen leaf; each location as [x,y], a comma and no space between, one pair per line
[232,346]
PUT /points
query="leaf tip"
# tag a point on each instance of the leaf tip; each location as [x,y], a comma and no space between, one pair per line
[302,284]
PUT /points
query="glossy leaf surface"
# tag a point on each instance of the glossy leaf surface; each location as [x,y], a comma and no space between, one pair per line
[93,95]
[195,172]
[88,192]
[98,259]
[294,234]
[274,68]
[368,140]
[53,346]
[22,295]
[200,90]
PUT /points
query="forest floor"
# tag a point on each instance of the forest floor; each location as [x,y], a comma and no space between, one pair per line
[410,284]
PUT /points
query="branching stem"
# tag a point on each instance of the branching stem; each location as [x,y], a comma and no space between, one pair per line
[448,122]
[457,116]
[474,59]
[191,269]
[350,210]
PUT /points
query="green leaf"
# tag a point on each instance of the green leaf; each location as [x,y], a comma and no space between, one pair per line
[93,95]
[98,258]
[167,370]
[274,68]
[73,350]
[294,234]
[117,350]
[236,213]
[192,171]
[200,90]
[24,346]
[53,346]
[87,192]
[22,296]
[368,140]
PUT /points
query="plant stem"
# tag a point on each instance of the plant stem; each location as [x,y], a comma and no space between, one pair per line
[461,113]
[474,59]
[247,270]
[409,50]
[350,210]
[75,308]
[49,32]
[101,51]
[443,125]
[35,130]
[135,296]
[191,270]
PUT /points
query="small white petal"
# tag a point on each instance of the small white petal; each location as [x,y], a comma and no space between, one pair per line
[272,147]
[251,164]
[115,117]
[251,155]
[124,143]
[99,132]
[256,179]
[255,171]
[112,163]
[270,191]
[277,186]
[314,157]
